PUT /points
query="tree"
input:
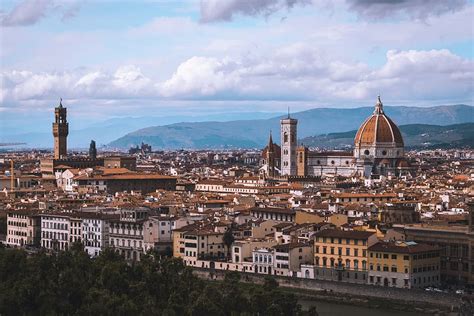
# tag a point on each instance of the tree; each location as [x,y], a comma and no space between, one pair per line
[228,240]
[70,282]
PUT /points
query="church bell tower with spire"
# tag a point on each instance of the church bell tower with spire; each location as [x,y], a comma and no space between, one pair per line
[60,131]
[271,157]
[288,128]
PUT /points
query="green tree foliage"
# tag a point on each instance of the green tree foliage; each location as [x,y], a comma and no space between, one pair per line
[3,225]
[71,283]
[228,239]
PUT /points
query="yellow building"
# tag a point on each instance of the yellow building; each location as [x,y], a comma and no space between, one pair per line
[341,255]
[192,243]
[404,265]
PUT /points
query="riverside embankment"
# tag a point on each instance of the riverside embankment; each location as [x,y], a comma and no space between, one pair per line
[376,297]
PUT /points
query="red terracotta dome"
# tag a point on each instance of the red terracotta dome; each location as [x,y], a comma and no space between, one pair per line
[378,128]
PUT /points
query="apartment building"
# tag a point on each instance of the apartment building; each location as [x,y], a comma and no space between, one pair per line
[126,233]
[341,255]
[158,232]
[75,230]
[55,231]
[23,228]
[95,232]
[404,265]
[289,258]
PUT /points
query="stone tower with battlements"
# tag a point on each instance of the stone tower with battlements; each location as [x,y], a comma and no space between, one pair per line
[60,131]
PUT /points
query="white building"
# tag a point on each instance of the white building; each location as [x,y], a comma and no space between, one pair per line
[95,232]
[55,231]
[263,259]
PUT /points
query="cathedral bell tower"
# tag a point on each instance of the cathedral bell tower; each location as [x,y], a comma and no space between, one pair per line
[60,131]
[288,127]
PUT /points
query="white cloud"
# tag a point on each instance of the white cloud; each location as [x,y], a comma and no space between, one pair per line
[127,81]
[415,9]
[201,76]
[295,72]
[225,10]
[29,12]
[300,72]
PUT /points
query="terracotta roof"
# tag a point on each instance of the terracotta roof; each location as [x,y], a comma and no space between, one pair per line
[353,234]
[289,246]
[272,210]
[126,176]
[408,248]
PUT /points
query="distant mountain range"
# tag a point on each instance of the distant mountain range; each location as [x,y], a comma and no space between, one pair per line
[39,135]
[254,133]
[414,135]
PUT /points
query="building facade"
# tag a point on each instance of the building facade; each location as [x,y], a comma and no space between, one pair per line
[126,233]
[23,228]
[342,255]
[55,231]
[404,265]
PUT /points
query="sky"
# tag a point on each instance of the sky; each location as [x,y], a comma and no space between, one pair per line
[113,58]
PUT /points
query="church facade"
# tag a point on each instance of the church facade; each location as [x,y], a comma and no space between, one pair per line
[378,151]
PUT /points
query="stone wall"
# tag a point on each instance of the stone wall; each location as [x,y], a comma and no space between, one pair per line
[414,297]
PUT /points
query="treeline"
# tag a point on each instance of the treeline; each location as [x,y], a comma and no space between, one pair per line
[71,283]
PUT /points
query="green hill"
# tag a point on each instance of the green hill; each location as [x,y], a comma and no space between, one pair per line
[414,136]
[254,133]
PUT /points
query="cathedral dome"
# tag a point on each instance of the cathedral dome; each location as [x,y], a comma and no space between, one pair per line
[378,128]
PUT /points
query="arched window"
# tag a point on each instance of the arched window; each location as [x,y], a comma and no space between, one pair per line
[285,137]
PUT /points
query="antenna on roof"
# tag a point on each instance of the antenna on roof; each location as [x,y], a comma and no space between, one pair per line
[288,112]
